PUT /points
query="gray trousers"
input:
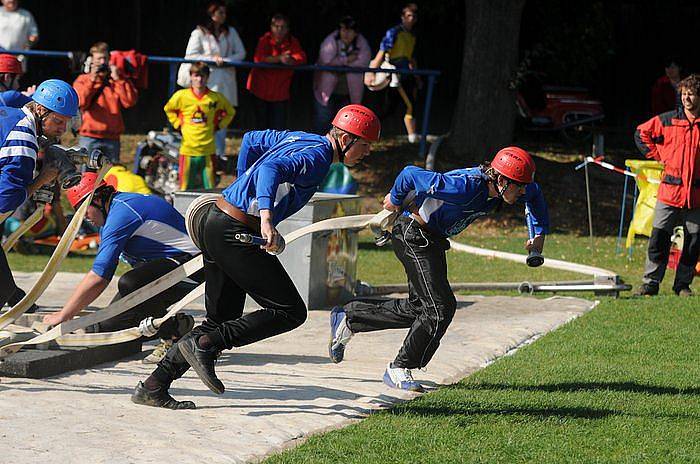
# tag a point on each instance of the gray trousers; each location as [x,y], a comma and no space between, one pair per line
[667,217]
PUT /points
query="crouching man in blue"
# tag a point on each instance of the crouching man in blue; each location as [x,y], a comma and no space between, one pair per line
[53,105]
[439,206]
[148,233]
[280,171]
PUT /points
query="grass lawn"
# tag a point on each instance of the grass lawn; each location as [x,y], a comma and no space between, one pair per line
[619,384]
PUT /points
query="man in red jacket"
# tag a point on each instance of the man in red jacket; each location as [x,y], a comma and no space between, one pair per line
[103,94]
[673,138]
[271,86]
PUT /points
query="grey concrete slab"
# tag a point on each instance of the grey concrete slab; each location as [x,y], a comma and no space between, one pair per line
[278,391]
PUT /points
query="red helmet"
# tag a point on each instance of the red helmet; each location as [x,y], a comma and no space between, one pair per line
[515,164]
[9,64]
[78,193]
[360,121]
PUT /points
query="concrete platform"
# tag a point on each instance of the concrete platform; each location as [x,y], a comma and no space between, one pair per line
[278,391]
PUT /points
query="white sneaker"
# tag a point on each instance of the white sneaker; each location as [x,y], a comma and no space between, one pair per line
[413,138]
[340,334]
[401,378]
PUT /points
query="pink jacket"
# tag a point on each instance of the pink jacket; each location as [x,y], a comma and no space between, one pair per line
[329,55]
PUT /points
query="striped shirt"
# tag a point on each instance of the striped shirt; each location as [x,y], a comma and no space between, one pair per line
[18,152]
[140,228]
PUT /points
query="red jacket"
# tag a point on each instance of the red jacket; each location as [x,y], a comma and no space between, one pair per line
[102,111]
[671,139]
[273,84]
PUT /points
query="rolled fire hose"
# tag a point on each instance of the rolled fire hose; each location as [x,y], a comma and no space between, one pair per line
[24,227]
[55,260]
[62,332]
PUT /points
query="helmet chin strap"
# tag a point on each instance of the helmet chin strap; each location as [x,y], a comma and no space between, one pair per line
[501,191]
[342,151]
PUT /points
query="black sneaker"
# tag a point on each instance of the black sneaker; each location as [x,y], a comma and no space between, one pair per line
[647,290]
[159,398]
[202,361]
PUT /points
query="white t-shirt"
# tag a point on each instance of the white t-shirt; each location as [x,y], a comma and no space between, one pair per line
[15,28]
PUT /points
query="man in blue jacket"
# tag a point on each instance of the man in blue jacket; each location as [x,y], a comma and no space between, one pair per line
[53,105]
[437,206]
[150,235]
[280,173]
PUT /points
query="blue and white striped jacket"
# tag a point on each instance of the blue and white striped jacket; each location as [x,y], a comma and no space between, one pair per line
[18,152]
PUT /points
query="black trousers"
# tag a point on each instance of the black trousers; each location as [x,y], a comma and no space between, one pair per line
[430,306]
[7,282]
[156,306]
[232,270]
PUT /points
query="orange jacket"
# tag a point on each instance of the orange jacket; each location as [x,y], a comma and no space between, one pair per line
[102,112]
[671,139]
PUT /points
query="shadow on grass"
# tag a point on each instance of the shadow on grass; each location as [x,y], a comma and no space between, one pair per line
[631,387]
[467,410]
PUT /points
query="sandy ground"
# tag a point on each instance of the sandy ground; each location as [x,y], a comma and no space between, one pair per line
[278,391]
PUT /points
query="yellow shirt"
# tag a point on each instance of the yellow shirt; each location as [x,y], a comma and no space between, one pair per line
[198,118]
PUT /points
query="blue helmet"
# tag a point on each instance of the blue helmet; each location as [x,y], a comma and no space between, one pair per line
[57,96]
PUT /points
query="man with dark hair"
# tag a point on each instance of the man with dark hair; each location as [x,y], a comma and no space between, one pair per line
[150,235]
[270,87]
[279,171]
[103,95]
[673,138]
[435,206]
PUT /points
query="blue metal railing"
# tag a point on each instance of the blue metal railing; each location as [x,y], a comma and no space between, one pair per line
[174,62]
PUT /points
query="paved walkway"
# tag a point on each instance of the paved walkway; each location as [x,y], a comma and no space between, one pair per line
[278,390]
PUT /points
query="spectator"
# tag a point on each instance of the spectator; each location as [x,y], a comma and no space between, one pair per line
[198,113]
[19,29]
[343,47]
[10,72]
[673,138]
[103,95]
[215,41]
[664,92]
[271,86]
[397,47]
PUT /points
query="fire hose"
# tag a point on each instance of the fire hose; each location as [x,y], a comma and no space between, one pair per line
[62,332]
[55,260]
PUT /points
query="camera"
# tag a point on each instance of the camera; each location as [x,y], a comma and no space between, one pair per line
[103,68]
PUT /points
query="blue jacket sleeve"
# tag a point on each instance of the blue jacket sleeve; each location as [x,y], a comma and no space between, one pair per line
[13,99]
[113,238]
[273,172]
[389,39]
[534,202]
[254,145]
[452,188]
[16,174]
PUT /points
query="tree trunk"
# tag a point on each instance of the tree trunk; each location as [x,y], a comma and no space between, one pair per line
[484,117]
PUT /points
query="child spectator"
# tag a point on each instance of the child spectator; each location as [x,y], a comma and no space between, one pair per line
[198,113]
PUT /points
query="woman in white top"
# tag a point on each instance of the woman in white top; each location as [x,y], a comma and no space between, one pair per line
[216,41]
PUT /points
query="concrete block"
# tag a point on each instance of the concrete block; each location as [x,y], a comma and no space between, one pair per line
[38,364]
